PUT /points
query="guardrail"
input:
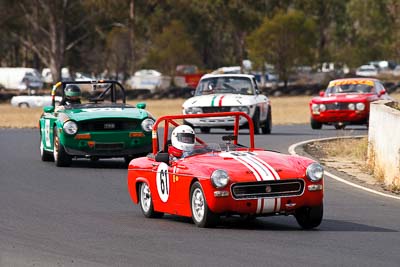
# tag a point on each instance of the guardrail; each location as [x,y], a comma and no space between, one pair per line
[384,142]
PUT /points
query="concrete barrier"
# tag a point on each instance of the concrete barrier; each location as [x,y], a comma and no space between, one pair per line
[384,142]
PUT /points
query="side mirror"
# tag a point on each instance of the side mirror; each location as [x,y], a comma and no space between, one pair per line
[141,105]
[48,109]
[382,92]
[321,93]
[162,157]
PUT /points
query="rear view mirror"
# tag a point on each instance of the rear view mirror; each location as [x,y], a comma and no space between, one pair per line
[48,109]
[162,157]
[382,92]
[141,105]
[321,93]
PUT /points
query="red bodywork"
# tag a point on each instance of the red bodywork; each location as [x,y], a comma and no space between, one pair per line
[337,110]
[246,167]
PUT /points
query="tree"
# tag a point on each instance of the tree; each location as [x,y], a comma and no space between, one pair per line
[370,30]
[329,16]
[46,23]
[287,40]
[171,48]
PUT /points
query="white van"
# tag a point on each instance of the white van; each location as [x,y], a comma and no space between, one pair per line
[20,79]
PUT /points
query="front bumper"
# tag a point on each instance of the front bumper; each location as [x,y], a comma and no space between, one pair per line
[107,144]
[224,203]
[345,116]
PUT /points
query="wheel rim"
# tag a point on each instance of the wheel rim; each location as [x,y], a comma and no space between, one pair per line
[198,207]
[145,197]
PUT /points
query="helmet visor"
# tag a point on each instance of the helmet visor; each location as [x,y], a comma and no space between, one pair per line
[187,138]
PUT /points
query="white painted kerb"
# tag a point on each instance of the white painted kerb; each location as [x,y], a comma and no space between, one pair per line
[292,151]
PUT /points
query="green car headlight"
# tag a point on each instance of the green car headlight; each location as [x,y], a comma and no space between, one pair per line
[147,125]
[70,127]
[315,172]
[219,178]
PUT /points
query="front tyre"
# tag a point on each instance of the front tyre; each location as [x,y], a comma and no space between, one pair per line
[45,155]
[309,217]
[256,122]
[202,216]
[146,202]
[61,158]
[268,123]
[315,124]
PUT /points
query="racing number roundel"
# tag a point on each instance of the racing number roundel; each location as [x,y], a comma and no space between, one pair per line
[163,181]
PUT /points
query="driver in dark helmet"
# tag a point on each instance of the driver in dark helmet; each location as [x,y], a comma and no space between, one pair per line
[72,95]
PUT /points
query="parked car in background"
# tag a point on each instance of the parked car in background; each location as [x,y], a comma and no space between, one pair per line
[20,79]
[187,76]
[213,180]
[367,71]
[149,80]
[48,78]
[229,92]
[33,101]
[99,126]
[346,102]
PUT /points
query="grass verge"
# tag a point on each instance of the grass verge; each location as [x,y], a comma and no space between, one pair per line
[285,110]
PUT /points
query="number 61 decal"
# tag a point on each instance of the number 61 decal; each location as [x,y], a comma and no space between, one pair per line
[162,180]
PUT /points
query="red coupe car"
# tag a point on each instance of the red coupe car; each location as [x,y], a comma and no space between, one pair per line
[345,102]
[225,179]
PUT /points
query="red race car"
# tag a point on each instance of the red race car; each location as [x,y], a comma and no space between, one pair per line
[213,180]
[346,101]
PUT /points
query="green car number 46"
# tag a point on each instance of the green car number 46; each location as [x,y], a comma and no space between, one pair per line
[99,125]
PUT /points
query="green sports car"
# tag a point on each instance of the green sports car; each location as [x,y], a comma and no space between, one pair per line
[93,121]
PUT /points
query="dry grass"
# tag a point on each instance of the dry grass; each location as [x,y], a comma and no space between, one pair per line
[351,149]
[285,110]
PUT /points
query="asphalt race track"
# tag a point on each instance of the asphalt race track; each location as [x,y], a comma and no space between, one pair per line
[83,216]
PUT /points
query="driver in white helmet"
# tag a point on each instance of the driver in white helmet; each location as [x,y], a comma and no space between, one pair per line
[183,139]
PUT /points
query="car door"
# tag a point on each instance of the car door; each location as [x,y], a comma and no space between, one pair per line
[165,186]
[46,127]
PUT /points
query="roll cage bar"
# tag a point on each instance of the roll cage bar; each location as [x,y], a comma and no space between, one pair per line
[111,88]
[170,119]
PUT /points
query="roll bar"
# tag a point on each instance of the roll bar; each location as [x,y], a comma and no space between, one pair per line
[64,83]
[170,119]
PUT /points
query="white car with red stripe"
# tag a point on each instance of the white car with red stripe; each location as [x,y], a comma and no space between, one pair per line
[224,93]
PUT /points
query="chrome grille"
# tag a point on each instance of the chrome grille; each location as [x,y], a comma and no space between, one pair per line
[108,125]
[265,189]
[216,109]
[337,106]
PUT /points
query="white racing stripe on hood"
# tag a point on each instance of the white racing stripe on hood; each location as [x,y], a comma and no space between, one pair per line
[272,170]
[263,172]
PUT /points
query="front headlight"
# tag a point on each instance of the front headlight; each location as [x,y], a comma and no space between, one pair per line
[360,106]
[219,178]
[147,125]
[70,127]
[242,109]
[315,107]
[352,106]
[315,172]
[193,110]
[322,107]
